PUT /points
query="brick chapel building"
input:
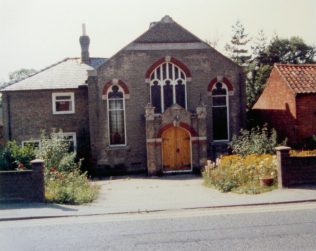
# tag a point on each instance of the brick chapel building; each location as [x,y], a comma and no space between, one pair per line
[288,102]
[164,103]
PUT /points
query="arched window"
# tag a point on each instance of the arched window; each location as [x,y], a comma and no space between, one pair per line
[168,87]
[116,115]
[220,112]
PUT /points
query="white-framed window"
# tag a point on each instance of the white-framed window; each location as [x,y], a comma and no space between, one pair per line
[34,143]
[63,103]
[116,116]
[220,112]
[71,138]
[168,87]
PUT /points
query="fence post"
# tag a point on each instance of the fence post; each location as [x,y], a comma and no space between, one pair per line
[283,156]
[38,191]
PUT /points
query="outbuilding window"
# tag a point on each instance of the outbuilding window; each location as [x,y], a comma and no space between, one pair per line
[168,87]
[63,103]
[220,112]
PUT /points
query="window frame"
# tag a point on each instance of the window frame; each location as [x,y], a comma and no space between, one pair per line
[227,111]
[173,83]
[108,116]
[31,141]
[67,134]
[72,100]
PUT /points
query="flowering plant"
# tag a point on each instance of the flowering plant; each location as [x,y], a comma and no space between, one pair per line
[20,166]
[234,171]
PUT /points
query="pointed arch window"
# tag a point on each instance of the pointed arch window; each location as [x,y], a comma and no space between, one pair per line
[116,116]
[168,87]
[220,112]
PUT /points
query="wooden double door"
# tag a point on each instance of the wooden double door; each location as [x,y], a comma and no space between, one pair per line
[176,150]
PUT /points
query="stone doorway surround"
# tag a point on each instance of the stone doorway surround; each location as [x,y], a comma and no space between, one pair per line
[175,116]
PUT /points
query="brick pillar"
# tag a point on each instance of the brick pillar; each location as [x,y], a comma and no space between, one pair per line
[202,134]
[38,185]
[283,157]
[92,82]
[150,140]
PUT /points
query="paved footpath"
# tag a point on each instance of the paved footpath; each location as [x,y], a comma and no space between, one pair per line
[143,194]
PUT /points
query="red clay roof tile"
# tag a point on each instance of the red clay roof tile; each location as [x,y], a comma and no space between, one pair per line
[300,78]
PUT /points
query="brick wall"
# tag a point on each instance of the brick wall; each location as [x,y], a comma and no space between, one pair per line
[306,115]
[293,116]
[27,185]
[295,170]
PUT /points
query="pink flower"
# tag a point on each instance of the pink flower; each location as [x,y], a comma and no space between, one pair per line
[21,166]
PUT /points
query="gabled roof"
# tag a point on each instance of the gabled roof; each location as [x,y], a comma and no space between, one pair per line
[300,78]
[167,31]
[66,74]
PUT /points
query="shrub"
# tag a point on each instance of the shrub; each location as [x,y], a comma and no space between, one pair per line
[256,141]
[307,143]
[303,153]
[241,173]
[69,187]
[55,153]
[13,156]
[64,182]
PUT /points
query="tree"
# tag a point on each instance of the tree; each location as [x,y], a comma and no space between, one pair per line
[257,72]
[289,51]
[21,74]
[237,48]
[259,48]
[286,51]
[255,82]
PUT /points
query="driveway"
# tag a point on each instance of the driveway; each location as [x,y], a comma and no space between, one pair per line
[144,193]
[141,193]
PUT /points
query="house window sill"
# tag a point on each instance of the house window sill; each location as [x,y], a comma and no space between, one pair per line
[63,113]
[118,148]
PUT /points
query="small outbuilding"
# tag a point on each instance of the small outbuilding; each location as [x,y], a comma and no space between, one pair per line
[288,102]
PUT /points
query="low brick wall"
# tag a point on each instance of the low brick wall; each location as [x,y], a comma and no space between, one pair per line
[295,170]
[25,185]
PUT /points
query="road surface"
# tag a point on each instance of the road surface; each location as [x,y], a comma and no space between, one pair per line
[281,227]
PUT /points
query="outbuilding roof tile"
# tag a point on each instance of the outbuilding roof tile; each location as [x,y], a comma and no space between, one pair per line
[300,78]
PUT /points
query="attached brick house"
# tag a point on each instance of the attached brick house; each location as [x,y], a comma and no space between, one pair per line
[164,103]
[288,102]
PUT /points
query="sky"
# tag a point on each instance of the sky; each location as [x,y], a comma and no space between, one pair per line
[38,33]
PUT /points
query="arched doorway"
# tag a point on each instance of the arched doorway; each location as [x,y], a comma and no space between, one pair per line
[176,150]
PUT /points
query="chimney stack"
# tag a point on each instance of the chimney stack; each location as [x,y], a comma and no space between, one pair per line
[84,43]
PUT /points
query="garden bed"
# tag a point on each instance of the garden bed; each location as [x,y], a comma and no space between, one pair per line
[241,174]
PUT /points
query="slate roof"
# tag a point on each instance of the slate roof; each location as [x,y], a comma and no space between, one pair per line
[167,31]
[300,78]
[66,74]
